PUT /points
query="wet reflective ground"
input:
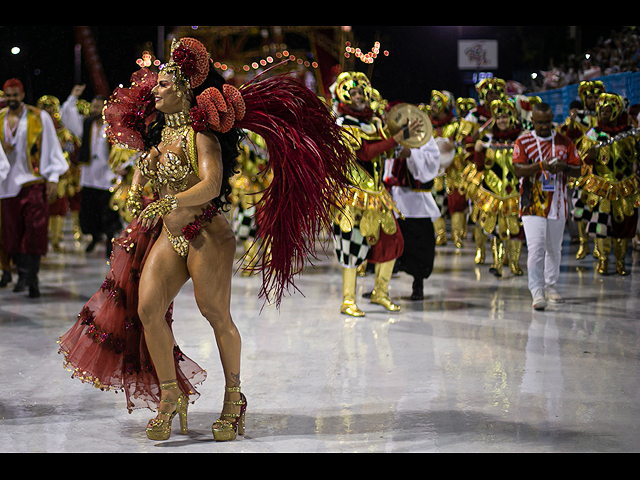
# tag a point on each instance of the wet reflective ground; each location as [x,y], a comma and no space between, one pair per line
[470,369]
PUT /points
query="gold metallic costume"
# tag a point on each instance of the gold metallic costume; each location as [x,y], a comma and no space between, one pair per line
[577,128]
[69,183]
[367,208]
[450,182]
[481,118]
[496,194]
[248,187]
[609,183]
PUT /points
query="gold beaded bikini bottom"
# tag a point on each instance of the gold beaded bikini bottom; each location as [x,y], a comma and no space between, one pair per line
[191,231]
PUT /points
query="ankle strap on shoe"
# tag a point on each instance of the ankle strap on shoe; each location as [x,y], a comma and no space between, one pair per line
[233,390]
[169,386]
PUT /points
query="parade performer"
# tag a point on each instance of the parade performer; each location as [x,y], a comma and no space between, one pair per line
[575,127]
[97,178]
[366,228]
[610,186]
[73,113]
[188,124]
[497,199]
[68,186]
[5,260]
[449,185]
[489,90]
[545,160]
[248,188]
[29,139]
[412,178]
[464,106]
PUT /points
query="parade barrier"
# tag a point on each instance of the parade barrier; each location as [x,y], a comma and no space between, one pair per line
[625,84]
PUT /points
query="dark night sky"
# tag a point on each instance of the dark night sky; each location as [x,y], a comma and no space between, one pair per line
[422,57]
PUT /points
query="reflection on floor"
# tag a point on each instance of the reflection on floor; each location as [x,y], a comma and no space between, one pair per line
[469,369]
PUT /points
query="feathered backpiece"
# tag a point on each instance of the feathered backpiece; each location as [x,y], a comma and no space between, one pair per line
[310,160]
[309,156]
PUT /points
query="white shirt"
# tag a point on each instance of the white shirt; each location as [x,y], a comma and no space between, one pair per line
[52,161]
[98,174]
[5,166]
[71,117]
[424,165]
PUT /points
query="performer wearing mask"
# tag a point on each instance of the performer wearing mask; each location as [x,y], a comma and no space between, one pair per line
[575,127]
[449,185]
[30,141]
[497,200]
[610,187]
[366,228]
[489,90]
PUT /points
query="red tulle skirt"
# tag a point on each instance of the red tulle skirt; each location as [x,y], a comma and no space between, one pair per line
[107,348]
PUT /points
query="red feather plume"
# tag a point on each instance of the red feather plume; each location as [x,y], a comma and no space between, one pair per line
[310,161]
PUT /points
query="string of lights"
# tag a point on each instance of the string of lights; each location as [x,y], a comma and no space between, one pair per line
[369,57]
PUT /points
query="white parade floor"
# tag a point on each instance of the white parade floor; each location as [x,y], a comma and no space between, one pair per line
[470,369]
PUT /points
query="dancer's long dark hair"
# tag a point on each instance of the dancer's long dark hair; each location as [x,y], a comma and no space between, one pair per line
[229,142]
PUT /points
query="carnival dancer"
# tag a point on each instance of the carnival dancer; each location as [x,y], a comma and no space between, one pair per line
[489,90]
[67,186]
[497,200]
[366,228]
[545,160]
[187,123]
[412,178]
[464,106]
[610,186]
[29,139]
[449,188]
[575,127]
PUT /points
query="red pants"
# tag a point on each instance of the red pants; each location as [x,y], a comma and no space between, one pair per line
[25,221]
[388,248]
[457,203]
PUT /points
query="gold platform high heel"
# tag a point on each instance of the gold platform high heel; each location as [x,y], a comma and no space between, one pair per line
[160,430]
[226,430]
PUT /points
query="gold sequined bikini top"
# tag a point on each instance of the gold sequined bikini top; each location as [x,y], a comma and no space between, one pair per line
[175,171]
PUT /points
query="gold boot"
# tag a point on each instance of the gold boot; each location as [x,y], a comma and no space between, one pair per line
[380,295]
[56,224]
[583,235]
[604,249]
[620,246]
[226,430]
[349,281]
[251,258]
[362,269]
[497,249]
[159,430]
[458,228]
[481,244]
[77,230]
[515,252]
[440,227]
